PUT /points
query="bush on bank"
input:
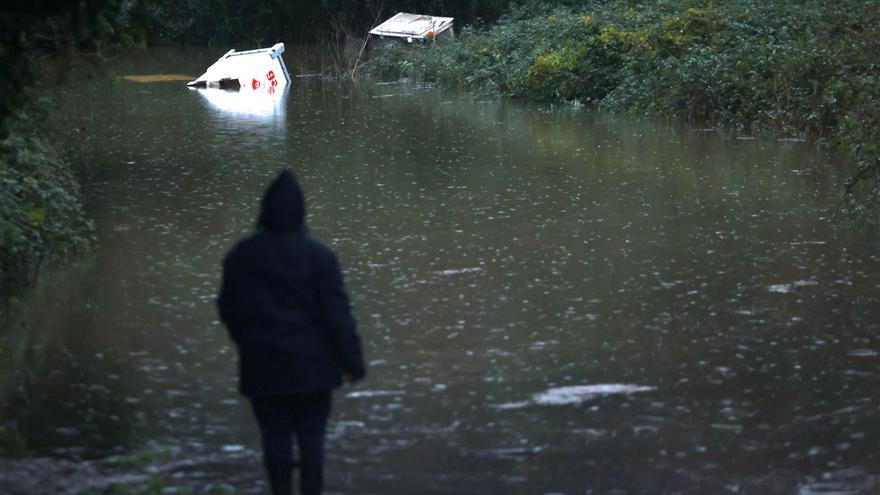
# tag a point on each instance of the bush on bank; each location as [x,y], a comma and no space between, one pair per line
[41,214]
[807,69]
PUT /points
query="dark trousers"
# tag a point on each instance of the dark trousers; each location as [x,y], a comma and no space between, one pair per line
[280,418]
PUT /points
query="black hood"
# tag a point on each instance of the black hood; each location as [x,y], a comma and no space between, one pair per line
[283,208]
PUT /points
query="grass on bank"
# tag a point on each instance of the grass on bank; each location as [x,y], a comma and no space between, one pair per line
[807,70]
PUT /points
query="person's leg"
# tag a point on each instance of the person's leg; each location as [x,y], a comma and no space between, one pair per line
[275,419]
[312,411]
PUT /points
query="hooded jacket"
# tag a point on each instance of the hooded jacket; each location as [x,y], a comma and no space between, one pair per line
[284,303]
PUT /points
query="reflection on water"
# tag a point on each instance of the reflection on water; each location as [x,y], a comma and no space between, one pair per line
[247,108]
[497,254]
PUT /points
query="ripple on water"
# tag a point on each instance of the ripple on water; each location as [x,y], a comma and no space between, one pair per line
[576,394]
[864,353]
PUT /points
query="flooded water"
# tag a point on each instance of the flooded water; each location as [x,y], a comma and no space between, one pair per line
[552,300]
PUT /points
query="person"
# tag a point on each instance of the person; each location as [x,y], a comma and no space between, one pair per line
[284,304]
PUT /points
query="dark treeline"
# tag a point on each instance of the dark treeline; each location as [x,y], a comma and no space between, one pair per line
[35,35]
[263,22]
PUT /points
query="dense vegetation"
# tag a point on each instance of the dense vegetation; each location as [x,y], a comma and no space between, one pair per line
[806,70]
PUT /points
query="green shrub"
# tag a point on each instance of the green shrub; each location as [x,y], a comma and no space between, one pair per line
[41,214]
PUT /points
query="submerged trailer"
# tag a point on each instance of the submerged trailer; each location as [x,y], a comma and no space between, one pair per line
[261,70]
[405,27]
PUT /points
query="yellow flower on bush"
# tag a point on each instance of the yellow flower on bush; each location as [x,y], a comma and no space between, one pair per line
[695,12]
[609,35]
[624,39]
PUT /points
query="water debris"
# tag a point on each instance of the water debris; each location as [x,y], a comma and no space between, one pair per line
[848,410]
[539,345]
[457,271]
[372,393]
[846,481]
[827,489]
[786,288]
[580,393]
[509,453]
[151,78]
[727,427]
[513,405]
[864,353]
[576,394]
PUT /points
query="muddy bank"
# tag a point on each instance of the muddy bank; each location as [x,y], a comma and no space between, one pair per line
[146,472]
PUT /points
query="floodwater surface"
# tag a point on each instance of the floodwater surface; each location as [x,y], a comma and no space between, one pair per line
[551,299]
